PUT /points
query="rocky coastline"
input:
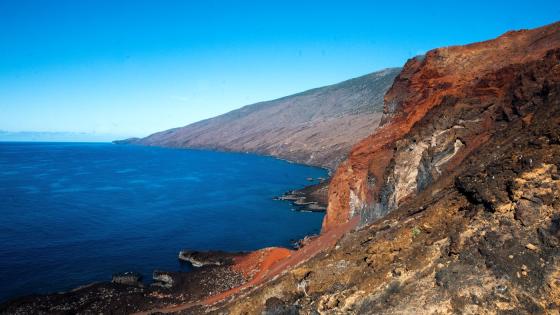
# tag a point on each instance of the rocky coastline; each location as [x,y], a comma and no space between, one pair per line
[127,293]
[212,272]
[457,195]
[312,198]
[451,207]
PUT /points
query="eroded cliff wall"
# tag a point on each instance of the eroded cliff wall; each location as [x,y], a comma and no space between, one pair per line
[441,107]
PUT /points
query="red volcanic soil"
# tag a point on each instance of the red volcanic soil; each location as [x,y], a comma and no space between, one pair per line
[252,264]
[265,264]
[268,263]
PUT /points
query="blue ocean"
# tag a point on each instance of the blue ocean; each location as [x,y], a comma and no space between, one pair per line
[75,213]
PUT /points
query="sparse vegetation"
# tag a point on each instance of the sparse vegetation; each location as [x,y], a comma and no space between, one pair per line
[416,231]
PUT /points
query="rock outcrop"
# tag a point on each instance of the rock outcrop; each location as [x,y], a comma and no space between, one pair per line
[208,258]
[310,198]
[441,108]
[127,278]
[317,127]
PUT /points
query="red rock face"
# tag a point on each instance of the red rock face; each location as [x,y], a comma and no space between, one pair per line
[442,107]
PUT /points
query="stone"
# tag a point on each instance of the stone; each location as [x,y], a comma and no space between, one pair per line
[163,279]
[531,247]
[275,306]
[527,212]
[301,273]
[208,258]
[127,278]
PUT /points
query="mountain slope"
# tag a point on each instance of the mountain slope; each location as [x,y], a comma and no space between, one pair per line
[456,198]
[451,207]
[316,127]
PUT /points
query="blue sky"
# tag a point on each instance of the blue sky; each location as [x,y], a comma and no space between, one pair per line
[130,68]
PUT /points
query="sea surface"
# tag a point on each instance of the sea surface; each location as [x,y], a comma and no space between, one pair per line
[75,213]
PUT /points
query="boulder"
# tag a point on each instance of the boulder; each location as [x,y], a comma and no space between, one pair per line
[127,278]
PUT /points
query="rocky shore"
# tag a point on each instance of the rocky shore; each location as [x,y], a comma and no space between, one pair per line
[208,258]
[126,293]
[310,198]
[214,272]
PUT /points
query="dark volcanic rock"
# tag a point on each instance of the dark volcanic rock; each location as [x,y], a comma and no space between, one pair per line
[207,258]
[169,288]
[527,211]
[128,278]
[275,306]
[311,198]
[164,279]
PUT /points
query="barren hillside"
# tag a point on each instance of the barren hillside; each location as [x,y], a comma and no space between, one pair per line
[316,127]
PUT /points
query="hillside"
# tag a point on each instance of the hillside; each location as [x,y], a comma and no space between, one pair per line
[455,199]
[316,127]
[452,206]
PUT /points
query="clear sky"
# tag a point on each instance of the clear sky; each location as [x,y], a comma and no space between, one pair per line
[130,68]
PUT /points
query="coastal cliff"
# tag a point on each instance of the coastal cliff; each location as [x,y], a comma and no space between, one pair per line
[451,206]
[441,108]
[456,197]
[317,127]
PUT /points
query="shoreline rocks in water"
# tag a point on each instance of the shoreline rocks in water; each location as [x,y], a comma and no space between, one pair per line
[208,258]
[126,292]
[311,198]
[163,279]
[127,278]
[120,297]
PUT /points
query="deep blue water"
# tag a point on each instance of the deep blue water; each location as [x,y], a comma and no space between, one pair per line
[74,213]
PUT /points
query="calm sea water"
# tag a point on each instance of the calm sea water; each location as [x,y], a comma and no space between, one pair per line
[74,213]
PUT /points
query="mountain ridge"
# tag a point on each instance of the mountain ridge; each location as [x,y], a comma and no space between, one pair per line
[315,127]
